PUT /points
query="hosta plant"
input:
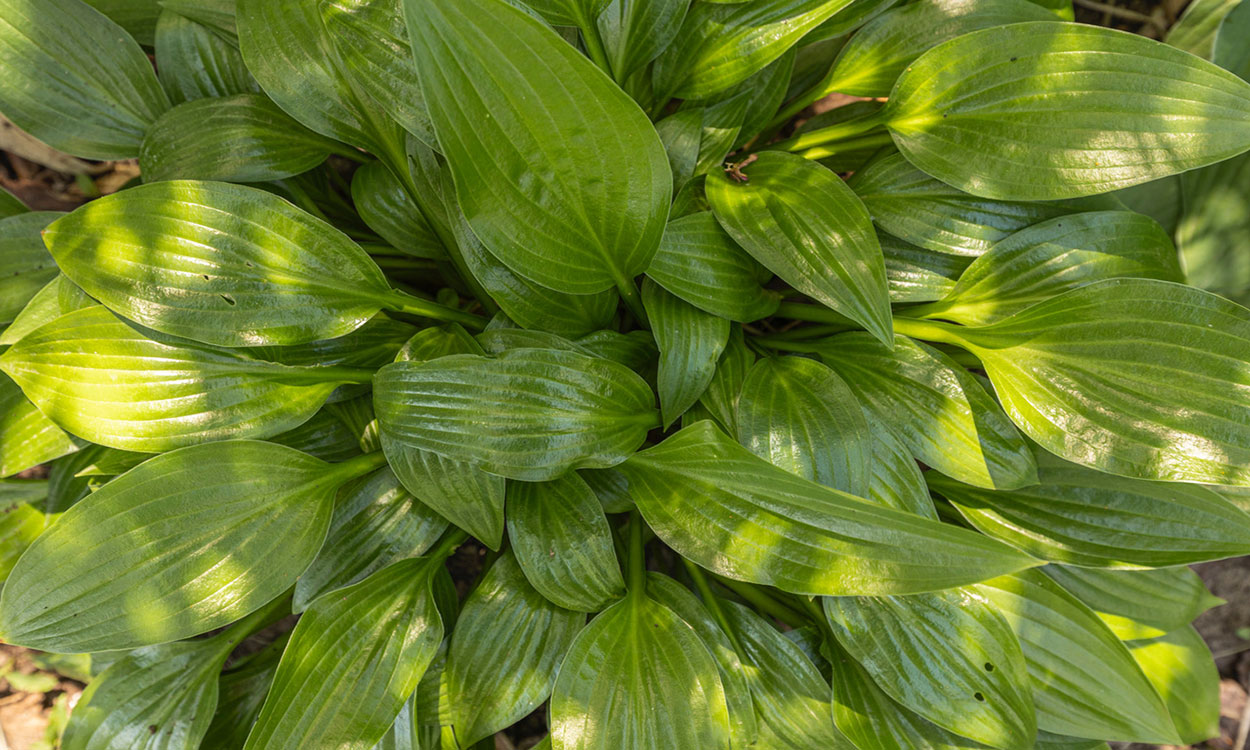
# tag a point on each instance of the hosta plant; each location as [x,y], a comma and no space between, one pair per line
[891,427]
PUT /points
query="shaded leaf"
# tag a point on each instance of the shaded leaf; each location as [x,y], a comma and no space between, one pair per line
[1180,667]
[194,61]
[26,263]
[690,342]
[1138,604]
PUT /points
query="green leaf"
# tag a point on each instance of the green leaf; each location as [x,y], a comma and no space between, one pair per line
[949,656]
[241,692]
[916,274]
[1196,29]
[1085,682]
[1214,222]
[27,437]
[638,676]
[233,523]
[218,15]
[353,660]
[798,414]
[681,133]
[1046,259]
[501,86]
[1078,516]
[563,542]
[699,262]
[223,264]
[10,204]
[92,375]
[720,44]
[896,480]
[883,48]
[791,697]
[1231,51]
[720,506]
[1128,104]
[528,414]
[58,297]
[690,342]
[75,79]
[22,518]
[325,436]
[504,653]
[375,523]
[1138,604]
[722,394]
[916,208]
[937,408]
[743,724]
[386,207]
[193,61]
[1135,377]
[27,265]
[1180,667]
[562,12]
[1160,200]
[872,720]
[635,32]
[137,17]
[239,138]
[804,224]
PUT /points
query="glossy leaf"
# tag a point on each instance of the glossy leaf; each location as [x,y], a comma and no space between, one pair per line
[28,267]
[56,298]
[239,138]
[76,80]
[1215,221]
[1135,377]
[27,437]
[92,375]
[1078,516]
[798,414]
[1085,682]
[241,691]
[386,207]
[937,408]
[504,653]
[690,342]
[718,505]
[917,274]
[1180,667]
[1046,259]
[563,543]
[223,264]
[375,523]
[499,86]
[722,394]
[949,656]
[896,480]
[700,263]
[194,61]
[638,676]
[234,523]
[1196,29]
[635,32]
[380,635]
[22,518]
[801,222]
[529,414]
[1138,604]
[1123,99]
[137,17]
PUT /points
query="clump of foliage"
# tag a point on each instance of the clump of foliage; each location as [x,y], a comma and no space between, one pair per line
[762,457]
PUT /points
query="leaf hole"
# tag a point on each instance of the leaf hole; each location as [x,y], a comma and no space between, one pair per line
[979,696]
[229,300]
[989,667]
[205,276]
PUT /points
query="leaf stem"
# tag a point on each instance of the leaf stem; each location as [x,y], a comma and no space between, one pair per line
[637,555]
[712,603]
[785,345]
[872,140]
[762,601]
[633,301]
[928,330]
[842,131]
[357,466]
[401,301]
[594,42]
[447,546]
[815,314]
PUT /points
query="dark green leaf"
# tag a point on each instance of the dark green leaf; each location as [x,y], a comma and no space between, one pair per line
[896,481]
[75,79]
[722,394]
[10,204]
[690,342]
[801,222]
[27,437]
[26,263]
[718,505]
[195,62]
[563,542]
[325,436]
[917,274]
[635,32]
[1180,667]
[137,17]
[58,297]
[386,207]
[1231,49]
[1214,222]
[1138,604]
[22,518]
[241,692]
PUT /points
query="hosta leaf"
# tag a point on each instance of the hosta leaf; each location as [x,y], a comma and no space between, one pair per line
[682,134]
[1135,377]
[896,480]
[27,437]
[1214,222]
[58,297]
[93,375]
[1085,682]
[1078,516]
[719,505]
[949,656]
[915,207]
[26,263]
[635,32]
[801,221]
[798,414]
[386,207]
[10,204]
[917,274]
[1138,604]
[224,264]
[239,138]
[990,98]
[699,262]
[218,15]
[529,414]
[193,61]
[1046,259]
[501,86]
[22,518]
[75,79]
[375,523]
[743,724]
[1159,199]
[722,394]
[880,51]
[937,408]
[1180,667]
[872,720]
[1196,29]
[504,653]
[563,12]
[690,342]
[1231,50]
[370,642]
[241,691]
[563,542]
[186,542]
[638,676]
[325,436]
[137,17]
[722,44]
[791,698]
